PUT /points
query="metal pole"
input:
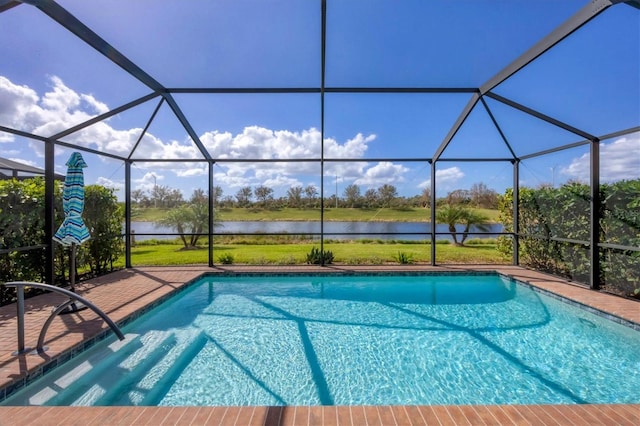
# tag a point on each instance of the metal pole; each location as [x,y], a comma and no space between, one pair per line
[516,212]
[20,306]
[49,211]
[127,214]
[72,267]
[433,213]
[595,215]
[211,215]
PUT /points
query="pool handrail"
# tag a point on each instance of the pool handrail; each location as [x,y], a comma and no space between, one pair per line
[73,297]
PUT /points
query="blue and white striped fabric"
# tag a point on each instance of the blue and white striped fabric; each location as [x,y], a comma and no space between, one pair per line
[73,230]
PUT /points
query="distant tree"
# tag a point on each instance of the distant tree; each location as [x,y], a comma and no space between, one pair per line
[294,196]
[174,198]
[191,221]
[159,195]
[371,198]
[425,197]
[483,197]
[264,195]
[456,214]
[243,196]
[352,196]
[311,193]
[458,197]
[216,194]
[227,201]
[199,196]
[387,194]
[137,195]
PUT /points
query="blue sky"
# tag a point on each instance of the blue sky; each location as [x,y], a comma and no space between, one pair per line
[50,81]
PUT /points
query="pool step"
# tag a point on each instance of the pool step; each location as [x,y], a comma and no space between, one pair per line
[146,376]
[78,376]
[154,345]
[154,386]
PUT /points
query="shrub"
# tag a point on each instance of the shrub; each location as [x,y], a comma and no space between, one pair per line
[225,258]
[319,257]
[404,258]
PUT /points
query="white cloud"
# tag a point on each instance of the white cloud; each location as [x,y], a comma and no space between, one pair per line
[148,181]
[61,108]
[6,137]
[619,160]
[382,173]
[106,182]
[445,178]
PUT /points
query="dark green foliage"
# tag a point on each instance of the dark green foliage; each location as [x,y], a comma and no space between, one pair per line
[318,257]
[103,216]
[404,258]
[547,213]
[22,227]
[226,258]
[457,214]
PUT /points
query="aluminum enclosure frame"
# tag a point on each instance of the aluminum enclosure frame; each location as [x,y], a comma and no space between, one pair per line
[477,96]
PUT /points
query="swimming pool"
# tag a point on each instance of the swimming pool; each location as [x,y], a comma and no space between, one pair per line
[352,340]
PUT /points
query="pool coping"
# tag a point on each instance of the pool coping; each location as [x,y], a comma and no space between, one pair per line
[544,283]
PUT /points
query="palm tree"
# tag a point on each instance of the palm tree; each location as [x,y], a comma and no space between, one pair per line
[455,214]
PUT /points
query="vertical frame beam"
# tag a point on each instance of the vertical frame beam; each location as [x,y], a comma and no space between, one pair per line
[49,211]
[211,213]
[596,209]
[433,213]
[323,41]
[516,212]
[127,213]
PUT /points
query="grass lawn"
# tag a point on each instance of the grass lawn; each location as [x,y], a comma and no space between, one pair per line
[331,214]
[288,254]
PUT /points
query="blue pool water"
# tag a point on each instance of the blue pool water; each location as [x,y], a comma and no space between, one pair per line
[352,340]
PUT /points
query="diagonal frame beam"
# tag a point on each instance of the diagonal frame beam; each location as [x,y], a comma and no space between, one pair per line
[456,126]
[186,124]
[541,116]
[584,15]
[86,34]
[8,4]
[102,117]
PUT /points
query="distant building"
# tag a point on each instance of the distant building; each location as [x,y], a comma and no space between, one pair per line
[13,169]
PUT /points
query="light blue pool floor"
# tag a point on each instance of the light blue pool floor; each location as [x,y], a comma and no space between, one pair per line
[335,341]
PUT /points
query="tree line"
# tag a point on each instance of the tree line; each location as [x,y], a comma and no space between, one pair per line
[353,196]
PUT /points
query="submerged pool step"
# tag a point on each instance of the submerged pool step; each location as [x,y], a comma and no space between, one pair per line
[154,345]
[78,376]
[145,372]
[154,386]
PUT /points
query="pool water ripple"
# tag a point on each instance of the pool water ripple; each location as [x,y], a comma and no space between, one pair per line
[320,340]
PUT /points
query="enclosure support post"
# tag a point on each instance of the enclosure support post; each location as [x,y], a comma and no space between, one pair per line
[594,251]
[323,40]
[49,211]
[433,213]
[127,213]
[211,213]
[516,212]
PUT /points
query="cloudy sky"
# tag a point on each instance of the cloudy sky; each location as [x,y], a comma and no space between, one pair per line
[49,81]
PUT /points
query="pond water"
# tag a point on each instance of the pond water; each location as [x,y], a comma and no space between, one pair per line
[332,230]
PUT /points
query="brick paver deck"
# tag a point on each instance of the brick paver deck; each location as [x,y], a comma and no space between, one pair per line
[122,293]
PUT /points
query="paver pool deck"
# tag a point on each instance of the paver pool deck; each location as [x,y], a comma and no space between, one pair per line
[122,293]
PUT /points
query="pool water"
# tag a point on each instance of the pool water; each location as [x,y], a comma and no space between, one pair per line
[354,340]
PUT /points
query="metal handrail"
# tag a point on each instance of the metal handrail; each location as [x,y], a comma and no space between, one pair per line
[19,285]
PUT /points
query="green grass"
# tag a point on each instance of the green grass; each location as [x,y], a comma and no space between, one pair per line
[351,253]
[330,214]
